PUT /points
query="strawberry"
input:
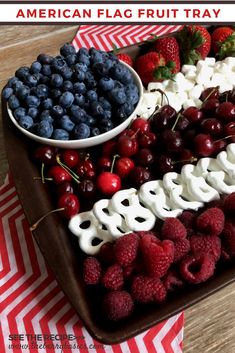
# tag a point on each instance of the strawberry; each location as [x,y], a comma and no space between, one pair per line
[223,42]
[169,48]
[195,43]
[125,58]
[152,67]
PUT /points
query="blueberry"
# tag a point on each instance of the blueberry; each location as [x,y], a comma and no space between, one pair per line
[106,83]
[71,59]
[104,129]
[96,109]
[44,129]
[32,101]
[66,123]
[118,71]
[113,58]
[17,85]
[23,92]
[107,114]
[31,80]
[42,91]
[57,111]
[44,113]
[83,51]
[118,95]
[124,111]
[33,112]
[81,58]
[58,63]
[13,102]
[127,77]
[45,59]
[19,113]
[22,72]
[91,96]
[66,99]
[67,86]
[80,67]
[47,103]
[105,103]
[48,118]
[81,131]
[95,131]
[79,87]
[11,81]
[26,122]
[55,93]
[90,120]
[46,70]
[79,99]
[35,67]
[79,76]
[44,79]
[106,123]
[77,114]
[56,80]
[60,134]
[67,49]
[100,69]
[96,57]
[66,72]
[132,93]
[90,80]
[7,92]
[109,63]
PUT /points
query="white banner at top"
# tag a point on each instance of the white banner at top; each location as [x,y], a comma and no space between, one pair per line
[117,13]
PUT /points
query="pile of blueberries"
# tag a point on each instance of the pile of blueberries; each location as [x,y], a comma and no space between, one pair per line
[74,95]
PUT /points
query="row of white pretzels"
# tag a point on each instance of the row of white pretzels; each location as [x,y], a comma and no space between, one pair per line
[132,210]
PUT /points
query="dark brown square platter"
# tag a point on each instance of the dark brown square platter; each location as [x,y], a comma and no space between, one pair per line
[62,253]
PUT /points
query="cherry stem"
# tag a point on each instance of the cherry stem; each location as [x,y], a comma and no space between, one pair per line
[113,162]
[191,160]
[154,112]
[163,94]
[70,171]
[35,225]
[42,173]
[224,138]
[176,120]
[40,178]
[213,91]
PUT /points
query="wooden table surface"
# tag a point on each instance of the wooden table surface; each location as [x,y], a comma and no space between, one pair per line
[209,325]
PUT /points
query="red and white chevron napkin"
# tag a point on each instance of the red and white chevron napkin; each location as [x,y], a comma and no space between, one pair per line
[35,315]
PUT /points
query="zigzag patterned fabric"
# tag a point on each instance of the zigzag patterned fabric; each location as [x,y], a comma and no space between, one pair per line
[31,302]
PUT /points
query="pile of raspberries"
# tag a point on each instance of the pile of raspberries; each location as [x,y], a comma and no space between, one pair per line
[142,267]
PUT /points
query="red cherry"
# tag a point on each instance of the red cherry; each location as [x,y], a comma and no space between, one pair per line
[64,188]
[212,126]
[109,148]
[226,111]
[70,158]
[210,92]
[85,169]
[145,157]
[104,164]
[70,203]
[147,139]
[123,166]
[193,114]
[139,176]
[86,189]
[172,140]
[209,106]
[127,146]
[165,164]
[140,124]
[128,132]
[186,156]
[229,128]
[219,146]
[45,154]
[59,174]
[108,183]
[203,145]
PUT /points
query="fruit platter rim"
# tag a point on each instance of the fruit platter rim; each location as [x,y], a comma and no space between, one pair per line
[91,141]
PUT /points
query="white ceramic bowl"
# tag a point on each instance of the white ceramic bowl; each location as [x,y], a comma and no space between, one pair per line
[91,141]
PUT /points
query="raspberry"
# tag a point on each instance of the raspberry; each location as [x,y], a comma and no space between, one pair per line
[149,233]
[228,238]
[172,281]
[106,253]
[146,289]
[173,229]
[113,278]
[197,268]
[91,270]
[117,305]
[126,248]
[157,256]
[126,58]
[187,218]
[211,221]
[182,248]
[206,244]
[229,204]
